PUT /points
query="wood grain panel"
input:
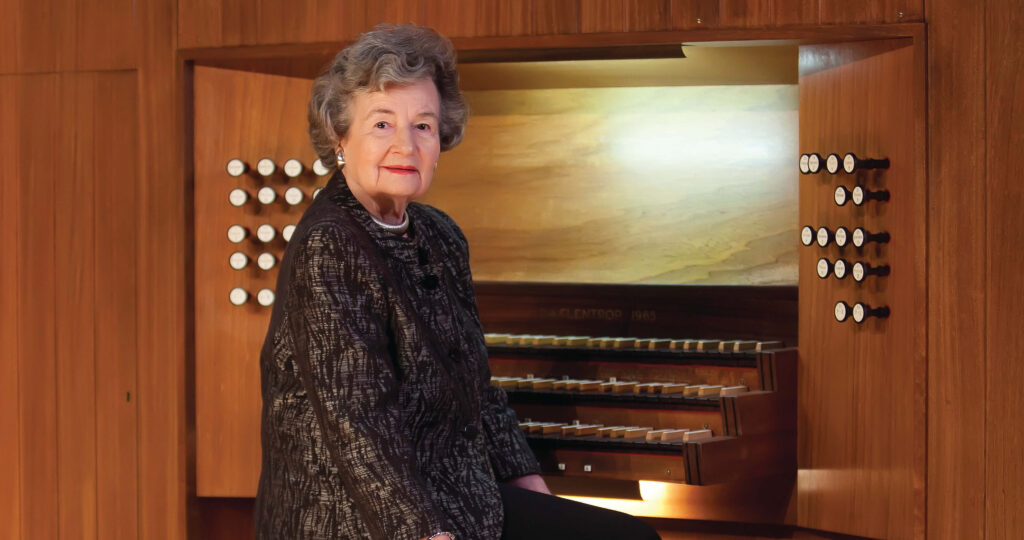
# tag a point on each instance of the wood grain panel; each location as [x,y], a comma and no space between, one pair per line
[602,16]
[164,476]
[555,16]
[228,338]
[686,14]
[39,131]
[394,11]
[744,13]
[861,432]
[75,278]
[62,35]
[10,281]
[627,16]
[462,18]
[956,271]
[581,186]
[1004,405]
[791,12]
[116,169]
[873,11]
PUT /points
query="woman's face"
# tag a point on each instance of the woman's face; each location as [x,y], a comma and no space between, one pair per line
[392,144]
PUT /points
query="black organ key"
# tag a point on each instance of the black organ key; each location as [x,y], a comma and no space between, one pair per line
[861,270]
[861,237]
[852,163]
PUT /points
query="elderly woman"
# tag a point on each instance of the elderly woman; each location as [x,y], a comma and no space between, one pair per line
[379,420]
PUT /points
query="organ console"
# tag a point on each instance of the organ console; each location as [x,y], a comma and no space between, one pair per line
[664,409]
[698,395]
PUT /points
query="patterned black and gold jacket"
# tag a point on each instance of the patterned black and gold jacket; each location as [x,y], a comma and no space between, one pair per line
[379,420]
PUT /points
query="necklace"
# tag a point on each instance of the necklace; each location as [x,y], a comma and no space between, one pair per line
[397,229]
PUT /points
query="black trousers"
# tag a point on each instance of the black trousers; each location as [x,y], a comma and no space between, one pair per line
[533,515]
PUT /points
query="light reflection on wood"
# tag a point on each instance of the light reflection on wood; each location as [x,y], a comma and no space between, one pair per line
[628,185]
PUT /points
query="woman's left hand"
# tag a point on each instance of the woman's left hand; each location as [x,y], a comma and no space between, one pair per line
[532,482]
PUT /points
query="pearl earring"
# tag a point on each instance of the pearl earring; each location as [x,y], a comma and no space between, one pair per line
[341,160]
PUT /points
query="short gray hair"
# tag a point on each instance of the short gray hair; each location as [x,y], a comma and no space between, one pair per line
[385,56]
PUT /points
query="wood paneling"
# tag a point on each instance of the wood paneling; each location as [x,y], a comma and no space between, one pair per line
[744,13]
[69,346]
[116,170]
[873,11]
[162,251]
[1004,404]
[555,16]
[686,14]
[623,16]
[956,271]
[862,387]
[61,35]
[10,281]
[461,18]
[75,257]
[40,131]
[229,338]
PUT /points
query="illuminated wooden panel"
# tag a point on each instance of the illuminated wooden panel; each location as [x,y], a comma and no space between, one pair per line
[627,185]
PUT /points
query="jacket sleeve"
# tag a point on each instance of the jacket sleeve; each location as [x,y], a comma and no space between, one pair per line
[509,453]
[341,352]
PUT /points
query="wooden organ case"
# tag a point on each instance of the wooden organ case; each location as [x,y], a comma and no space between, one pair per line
[814,429]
